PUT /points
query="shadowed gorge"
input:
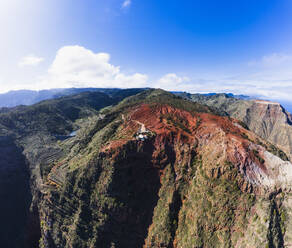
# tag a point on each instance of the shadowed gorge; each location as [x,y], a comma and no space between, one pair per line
[15,195]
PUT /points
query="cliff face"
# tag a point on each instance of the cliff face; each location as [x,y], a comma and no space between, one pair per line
[14,194]
[267,119]
[155,171]
[275,123]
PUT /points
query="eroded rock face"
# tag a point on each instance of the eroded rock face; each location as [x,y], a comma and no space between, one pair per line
[267,119]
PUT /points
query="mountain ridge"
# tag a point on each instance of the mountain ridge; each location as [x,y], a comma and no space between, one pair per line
[29,97]
[148,170]
[267,119]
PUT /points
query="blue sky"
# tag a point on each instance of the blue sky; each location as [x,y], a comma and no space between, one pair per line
[242,46]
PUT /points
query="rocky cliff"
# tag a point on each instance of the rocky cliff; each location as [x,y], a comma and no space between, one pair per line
[267,119]
[156,170]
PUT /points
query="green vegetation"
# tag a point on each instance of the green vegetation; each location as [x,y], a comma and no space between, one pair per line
[165,98]
[54,116]
[274,150]
[277,152]
[276,226]
[243,135]
[256,154]
[210,211]
[243,124]
[164,193]
[164,222]
[178,122]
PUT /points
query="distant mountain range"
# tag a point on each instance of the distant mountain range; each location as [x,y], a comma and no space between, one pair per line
[29,97]
[186,94]
[287,105]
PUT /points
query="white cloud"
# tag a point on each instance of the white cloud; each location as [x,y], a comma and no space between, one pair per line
[76,66]
[171,82]
[30,60]
[271,60]
[269,77]
[267,82]
[126,4]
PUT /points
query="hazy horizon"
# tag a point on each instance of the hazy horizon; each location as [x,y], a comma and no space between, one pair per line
[241,47]
[285,104]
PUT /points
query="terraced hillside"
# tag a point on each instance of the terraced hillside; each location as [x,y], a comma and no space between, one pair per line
[153,170]
[27,144]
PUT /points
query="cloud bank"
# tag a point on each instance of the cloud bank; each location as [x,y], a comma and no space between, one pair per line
[269,77]
[76,66]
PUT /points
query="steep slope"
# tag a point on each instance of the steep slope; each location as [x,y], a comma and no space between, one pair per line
[29,141]
[14,194]
[267,119]
[160,171]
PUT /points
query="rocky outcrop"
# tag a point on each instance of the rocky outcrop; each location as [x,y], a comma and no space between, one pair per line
[267,119]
